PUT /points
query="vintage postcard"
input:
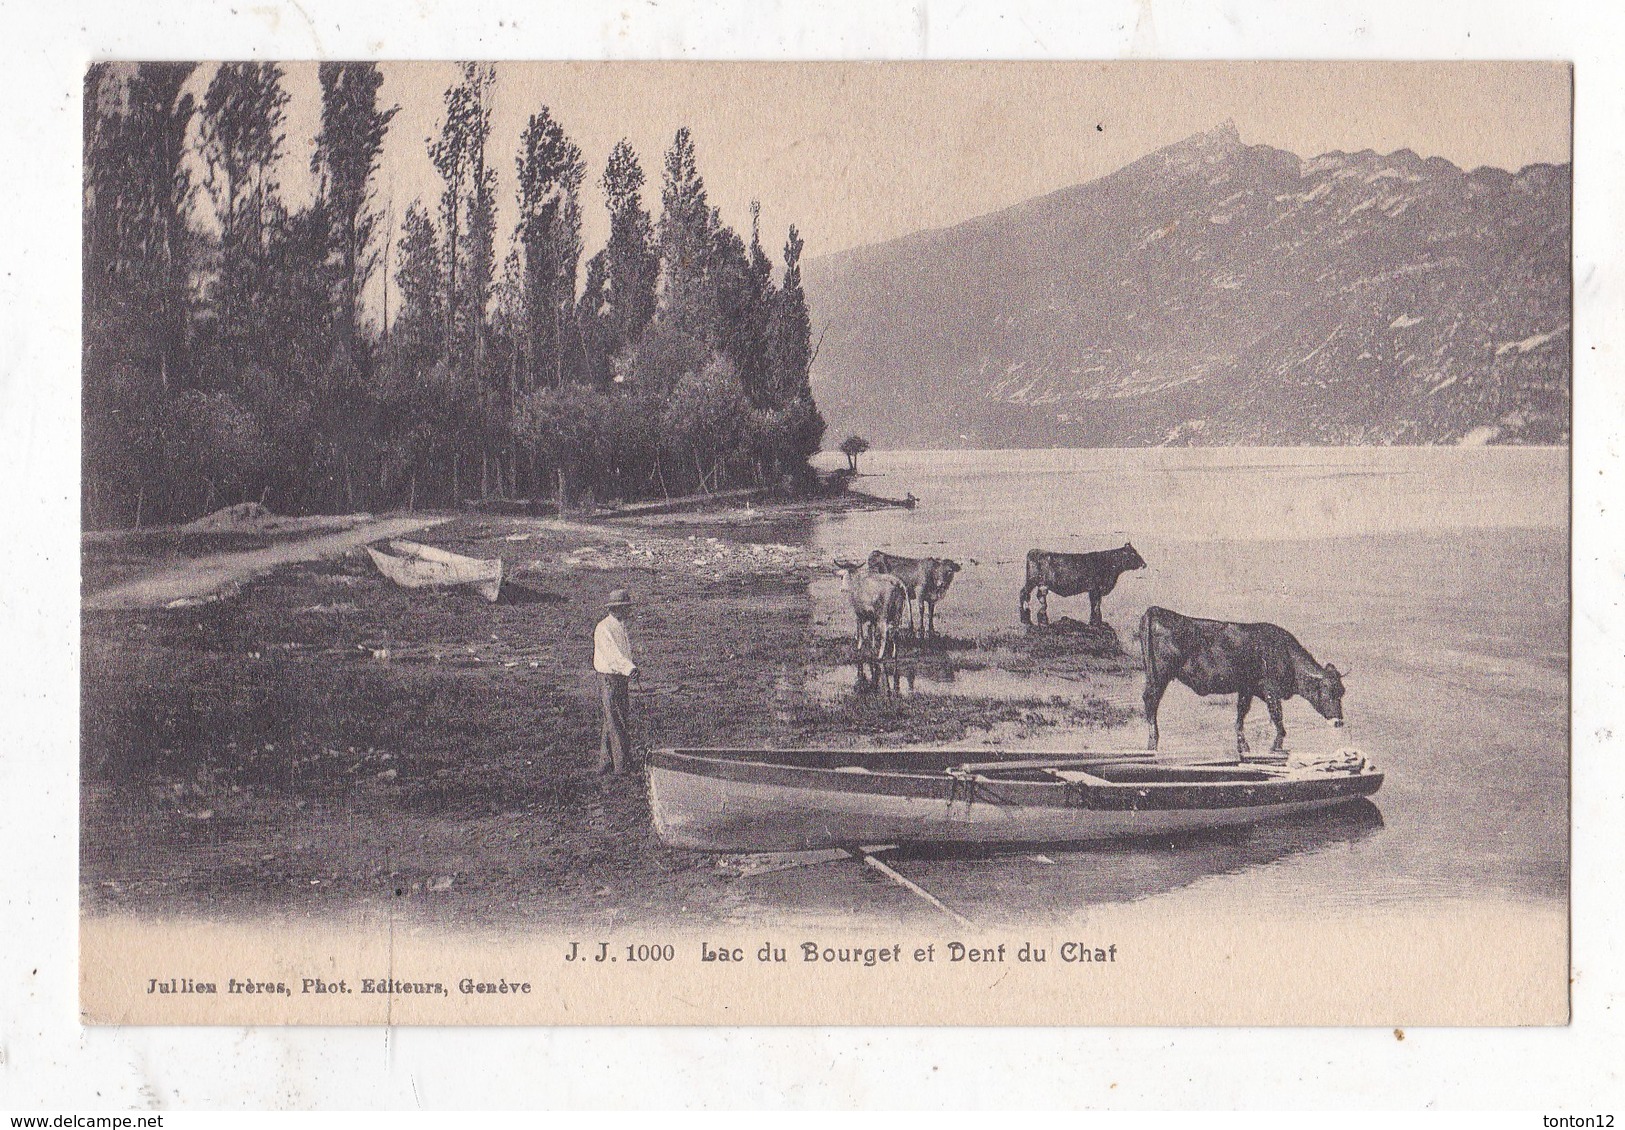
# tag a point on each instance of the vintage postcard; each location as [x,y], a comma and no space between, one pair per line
[826,543]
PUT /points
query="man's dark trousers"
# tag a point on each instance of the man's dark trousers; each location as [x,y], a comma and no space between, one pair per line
[615,745]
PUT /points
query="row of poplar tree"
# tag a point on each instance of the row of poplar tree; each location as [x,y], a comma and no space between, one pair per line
[229,353]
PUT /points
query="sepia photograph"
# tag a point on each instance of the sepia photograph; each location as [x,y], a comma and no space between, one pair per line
[826,542]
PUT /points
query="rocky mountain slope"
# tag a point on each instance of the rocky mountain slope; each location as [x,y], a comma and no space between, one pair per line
[1215,293]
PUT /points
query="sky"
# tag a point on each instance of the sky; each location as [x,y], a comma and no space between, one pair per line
[856,153]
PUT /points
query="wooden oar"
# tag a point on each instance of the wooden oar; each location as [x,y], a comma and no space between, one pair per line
[910,885]
[1072,761]
[765,863]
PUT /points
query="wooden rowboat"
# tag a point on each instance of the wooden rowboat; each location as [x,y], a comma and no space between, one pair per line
[767,800]
[416,566]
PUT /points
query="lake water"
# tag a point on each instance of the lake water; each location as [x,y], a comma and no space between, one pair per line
[1437,577]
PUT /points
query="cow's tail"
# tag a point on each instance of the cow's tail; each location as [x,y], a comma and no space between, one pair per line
[1148,654]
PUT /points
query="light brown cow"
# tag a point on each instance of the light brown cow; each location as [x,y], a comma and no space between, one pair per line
[926,580]
[878,601]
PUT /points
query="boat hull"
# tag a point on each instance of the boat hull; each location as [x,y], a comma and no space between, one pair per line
[734,806]
[423,566]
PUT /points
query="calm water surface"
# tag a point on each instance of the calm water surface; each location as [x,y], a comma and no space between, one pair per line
[1437,577]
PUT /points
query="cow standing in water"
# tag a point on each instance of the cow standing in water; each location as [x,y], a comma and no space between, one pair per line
[926,580]
[878,601]
[1068,574]
[1247,660]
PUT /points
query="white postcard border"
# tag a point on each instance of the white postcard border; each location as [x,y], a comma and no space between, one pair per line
[49,1058]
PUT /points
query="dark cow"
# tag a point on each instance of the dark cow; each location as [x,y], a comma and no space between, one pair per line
[1247,660]
[925,578]
[1068,574]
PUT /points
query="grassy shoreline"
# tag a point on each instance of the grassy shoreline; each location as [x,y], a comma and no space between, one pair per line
[323,742]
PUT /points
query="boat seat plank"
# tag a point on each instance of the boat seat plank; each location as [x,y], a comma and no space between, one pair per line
[1073,761]
[1077,776]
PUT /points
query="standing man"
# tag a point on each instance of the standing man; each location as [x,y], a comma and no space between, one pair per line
[612,659]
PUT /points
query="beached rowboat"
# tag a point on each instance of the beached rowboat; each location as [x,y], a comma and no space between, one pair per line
[424,566]
[762,800]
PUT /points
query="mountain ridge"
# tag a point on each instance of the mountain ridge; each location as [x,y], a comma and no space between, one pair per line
[1215,292]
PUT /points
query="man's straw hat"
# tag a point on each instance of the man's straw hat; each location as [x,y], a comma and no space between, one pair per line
[618,598]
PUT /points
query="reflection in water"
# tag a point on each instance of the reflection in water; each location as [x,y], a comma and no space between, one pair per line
[916,656]
[949,665]
[1009,885]
[925,677]
[889,678]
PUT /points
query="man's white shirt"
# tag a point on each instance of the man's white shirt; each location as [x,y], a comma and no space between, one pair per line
[612,649]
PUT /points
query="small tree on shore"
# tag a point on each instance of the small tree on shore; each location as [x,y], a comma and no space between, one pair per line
[852,447]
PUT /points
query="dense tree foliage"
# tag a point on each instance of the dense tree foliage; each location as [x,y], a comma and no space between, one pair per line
[548,239]
[345,161]
[630,261]
[231,350]
[137,250]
